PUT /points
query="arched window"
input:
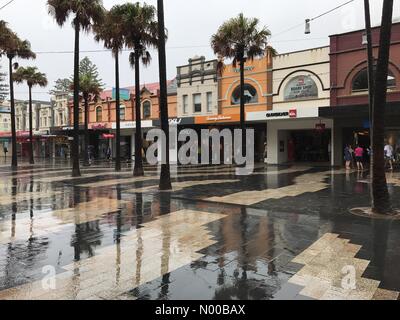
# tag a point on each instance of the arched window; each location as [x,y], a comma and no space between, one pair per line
[301,88]
[360,81]
[99,114]
[250,94]
[122,113]
[146,109]
[81,116]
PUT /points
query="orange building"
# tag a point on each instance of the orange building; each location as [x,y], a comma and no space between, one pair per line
[258,91]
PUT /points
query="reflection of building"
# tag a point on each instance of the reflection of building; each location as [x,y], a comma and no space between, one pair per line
[349,91]
[300,87]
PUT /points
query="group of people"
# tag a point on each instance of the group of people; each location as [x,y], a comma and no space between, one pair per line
[360,155]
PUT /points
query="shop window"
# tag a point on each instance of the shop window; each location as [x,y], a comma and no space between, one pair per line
[209,101]
[301,88]
[197,102]
[250,94]
[122,113]
[146,109]
[360,81]
[185,104]
[99,114]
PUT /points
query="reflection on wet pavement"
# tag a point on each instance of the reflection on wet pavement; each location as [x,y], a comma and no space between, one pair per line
[280,233]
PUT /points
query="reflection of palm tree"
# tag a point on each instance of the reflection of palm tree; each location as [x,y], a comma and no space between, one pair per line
[118,238]
[165,202]
[380,242]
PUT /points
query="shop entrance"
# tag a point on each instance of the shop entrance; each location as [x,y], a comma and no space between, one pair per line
[309,146]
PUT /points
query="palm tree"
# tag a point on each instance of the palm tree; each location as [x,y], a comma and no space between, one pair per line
[112,33]
[165,176]
[240,39]
[380,195]
[90,87]
[140,29]
[13,47]
[33,78]
[86,13]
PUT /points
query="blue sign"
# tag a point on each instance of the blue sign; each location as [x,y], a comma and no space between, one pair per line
[124,94]
[366,124]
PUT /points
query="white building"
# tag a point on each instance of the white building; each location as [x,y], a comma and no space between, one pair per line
[197,92]
[295,133]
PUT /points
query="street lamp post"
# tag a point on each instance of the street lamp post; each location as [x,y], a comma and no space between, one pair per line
[370,55]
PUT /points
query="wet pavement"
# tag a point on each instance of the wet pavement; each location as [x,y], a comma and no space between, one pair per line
[280,233]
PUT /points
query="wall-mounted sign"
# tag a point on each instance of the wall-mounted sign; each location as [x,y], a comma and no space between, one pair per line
[132,124]
[217,119]
[98,126]
[249,68]
[108,136]
[301,87]
[293,113]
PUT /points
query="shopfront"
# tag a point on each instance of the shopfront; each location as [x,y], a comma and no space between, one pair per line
[351,126]
[296,136]
[128,131]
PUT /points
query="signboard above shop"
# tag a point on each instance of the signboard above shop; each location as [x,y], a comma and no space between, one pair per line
[300,88]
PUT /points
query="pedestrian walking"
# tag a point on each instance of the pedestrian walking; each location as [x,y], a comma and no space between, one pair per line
[389,155]
[5,153]
[108,154]
[359,153]
[348,156]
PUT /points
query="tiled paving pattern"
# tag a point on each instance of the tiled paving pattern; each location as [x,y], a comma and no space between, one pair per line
[325,262]
[280,233]
[142,255]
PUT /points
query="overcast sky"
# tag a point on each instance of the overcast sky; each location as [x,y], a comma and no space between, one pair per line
[190,24]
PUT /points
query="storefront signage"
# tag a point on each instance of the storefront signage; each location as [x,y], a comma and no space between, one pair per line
[277,114]
[301,87]
[176,121]
[250,68]
[132,124]
[108,136]
[217,119]
[98,126]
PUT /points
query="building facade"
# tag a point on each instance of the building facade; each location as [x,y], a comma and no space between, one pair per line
[349,91]
[295,133]
[102,118]
[197,88]
[5,128]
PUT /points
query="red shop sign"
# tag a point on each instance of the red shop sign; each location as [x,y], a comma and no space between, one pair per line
[293,113]
[108,136]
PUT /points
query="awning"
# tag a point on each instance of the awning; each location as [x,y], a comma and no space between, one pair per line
[357,111]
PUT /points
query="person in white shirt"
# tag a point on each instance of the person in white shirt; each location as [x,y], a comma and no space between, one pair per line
[389,155]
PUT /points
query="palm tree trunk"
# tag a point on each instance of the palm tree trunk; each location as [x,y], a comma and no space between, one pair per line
[165,177]
[242,107]
[31,160]
[14,161]
[75,145]
[380,195]
[117,116]
[86,102]
[138,171]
